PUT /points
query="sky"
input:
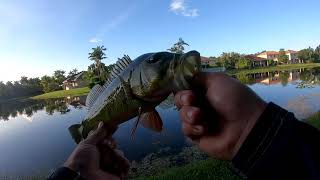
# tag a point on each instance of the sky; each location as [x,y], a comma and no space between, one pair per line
[40,36]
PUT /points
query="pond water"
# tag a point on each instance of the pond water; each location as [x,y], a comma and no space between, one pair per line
[34,135]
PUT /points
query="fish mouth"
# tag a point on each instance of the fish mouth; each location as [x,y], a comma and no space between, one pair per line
[185,69]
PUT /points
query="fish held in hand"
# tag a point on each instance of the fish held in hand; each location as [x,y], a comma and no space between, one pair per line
[135,88]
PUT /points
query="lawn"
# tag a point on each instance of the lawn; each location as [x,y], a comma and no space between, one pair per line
[274,68]
[314,120]
[64,93]
[205,169]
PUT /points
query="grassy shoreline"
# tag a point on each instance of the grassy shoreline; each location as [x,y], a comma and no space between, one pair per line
[64,93]
[273,68]
[314,120]
[204,169]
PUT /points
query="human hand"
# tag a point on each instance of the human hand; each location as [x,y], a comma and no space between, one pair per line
[96,158]
[233,111]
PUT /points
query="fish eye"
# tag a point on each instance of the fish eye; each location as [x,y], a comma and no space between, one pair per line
[156,57]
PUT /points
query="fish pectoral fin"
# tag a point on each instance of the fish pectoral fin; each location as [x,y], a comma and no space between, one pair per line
[152,120]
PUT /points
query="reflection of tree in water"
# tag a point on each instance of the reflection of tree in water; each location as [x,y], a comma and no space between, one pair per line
[29,106]
[284,77]
[245,78]
[309,78]
[13,108]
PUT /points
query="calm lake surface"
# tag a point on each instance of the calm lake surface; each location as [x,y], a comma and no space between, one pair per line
[34,137]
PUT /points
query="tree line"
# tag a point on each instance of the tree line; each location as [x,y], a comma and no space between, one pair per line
[234,60]
[97,72]
[34,86]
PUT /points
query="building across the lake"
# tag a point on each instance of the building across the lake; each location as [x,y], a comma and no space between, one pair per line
[257,61]
[205,62]
[274,55]
[75,81]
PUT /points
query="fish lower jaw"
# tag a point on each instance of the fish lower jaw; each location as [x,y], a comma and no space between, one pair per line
[180,83]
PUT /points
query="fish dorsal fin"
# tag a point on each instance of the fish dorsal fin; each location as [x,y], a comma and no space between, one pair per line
[93,95]
[118,68]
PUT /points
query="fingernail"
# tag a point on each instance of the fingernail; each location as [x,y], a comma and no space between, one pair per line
[100,124]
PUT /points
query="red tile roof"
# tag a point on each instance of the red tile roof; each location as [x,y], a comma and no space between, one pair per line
[255,58]
[205,59]
[291,51]
[269,53]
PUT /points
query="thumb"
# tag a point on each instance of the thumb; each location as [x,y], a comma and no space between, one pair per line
[97,136]
[205,79]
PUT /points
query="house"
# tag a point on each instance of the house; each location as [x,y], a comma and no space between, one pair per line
[257,61]
[269,55]
[292,56]
[205,62]
[75,81]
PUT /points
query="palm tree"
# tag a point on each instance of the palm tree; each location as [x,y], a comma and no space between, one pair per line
[97,55]
[178,47]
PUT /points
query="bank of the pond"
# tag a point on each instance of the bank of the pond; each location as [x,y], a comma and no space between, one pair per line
[314,120]
[274,68]
[64,93]
[205,169]
[190,162]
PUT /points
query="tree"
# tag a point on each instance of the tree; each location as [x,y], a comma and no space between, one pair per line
[317,50]
[317,54]
[229,60]
[24,80]
[284,77]
[283,58]
[243,63]
[72,72]
[308,55]
[59,76]
[97,55]
[49,84]
[271,62]
[178,47]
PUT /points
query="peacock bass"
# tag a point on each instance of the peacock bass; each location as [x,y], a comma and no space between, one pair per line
[135,88]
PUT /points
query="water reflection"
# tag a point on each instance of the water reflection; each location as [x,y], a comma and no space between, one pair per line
[45,143]
[28,107]
[302,78]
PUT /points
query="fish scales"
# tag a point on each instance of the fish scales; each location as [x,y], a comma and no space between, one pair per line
[135,88]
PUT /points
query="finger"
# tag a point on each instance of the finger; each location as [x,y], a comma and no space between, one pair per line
[114,162]
[191,115]
[203,79]
[110,142]
[191,131]
[97,136]
[184,98]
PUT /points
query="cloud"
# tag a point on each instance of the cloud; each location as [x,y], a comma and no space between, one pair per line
[95,40]
[181,7]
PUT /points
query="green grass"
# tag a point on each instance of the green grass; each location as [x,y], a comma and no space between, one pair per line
[314,120]
[64,93]
[206,169]
[274,68]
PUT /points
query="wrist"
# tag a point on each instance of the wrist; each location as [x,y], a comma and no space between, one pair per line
[71,165]
[250,123]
